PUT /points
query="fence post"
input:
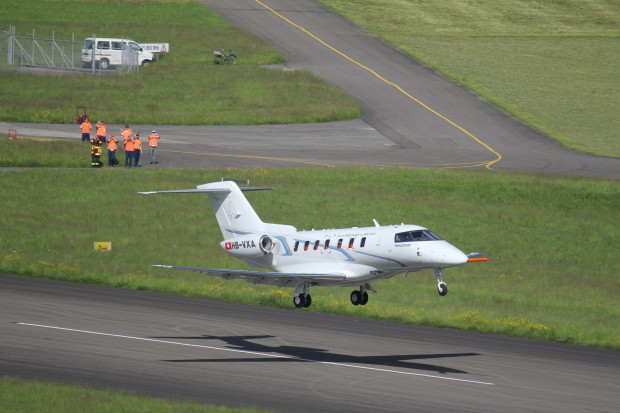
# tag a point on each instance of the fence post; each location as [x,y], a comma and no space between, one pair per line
[9,48]
[92,62]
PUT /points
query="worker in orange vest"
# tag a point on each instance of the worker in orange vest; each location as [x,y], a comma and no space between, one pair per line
[112,147]
[126,132]
[137,149]
[128,152]
[153,138]
[86,128]
[101,131]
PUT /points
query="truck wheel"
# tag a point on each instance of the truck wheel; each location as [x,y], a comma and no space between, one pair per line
[146,62]
[104,64]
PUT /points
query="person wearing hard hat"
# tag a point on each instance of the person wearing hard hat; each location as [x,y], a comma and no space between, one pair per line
[95,152]
[153,138]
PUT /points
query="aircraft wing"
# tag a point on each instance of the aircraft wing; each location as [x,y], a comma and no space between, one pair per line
[261,277]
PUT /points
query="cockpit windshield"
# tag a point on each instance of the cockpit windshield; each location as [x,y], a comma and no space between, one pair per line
[417,235]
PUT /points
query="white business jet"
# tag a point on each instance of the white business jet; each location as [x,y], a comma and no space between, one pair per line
[335,257]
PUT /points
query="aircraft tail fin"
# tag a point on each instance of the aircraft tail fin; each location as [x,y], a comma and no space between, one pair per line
[233,212]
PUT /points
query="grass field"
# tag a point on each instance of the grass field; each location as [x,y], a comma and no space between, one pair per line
[183,87]
[21,396]
[557,239]
[552,64]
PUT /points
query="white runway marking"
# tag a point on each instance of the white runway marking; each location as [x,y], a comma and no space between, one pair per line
[255,353]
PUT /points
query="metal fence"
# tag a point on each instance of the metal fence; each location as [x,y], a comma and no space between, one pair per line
[51,53]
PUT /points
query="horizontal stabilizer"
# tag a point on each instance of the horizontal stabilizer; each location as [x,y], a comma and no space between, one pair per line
[204,190]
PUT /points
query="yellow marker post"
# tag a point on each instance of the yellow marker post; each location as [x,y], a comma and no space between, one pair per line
[103,246]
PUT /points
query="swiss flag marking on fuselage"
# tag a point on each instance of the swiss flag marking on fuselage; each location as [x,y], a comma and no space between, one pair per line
[228,245]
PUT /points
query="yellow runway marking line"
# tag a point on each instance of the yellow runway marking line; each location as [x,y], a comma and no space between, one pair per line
[223,155]
[487,164]
[334,164]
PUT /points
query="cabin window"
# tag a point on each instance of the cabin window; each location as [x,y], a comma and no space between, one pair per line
[296,246]
[363,242]
[306,245]
[339,243]
[414,236]
[103,45]
[351,241]
[117,46]
[316,245]
[326,244]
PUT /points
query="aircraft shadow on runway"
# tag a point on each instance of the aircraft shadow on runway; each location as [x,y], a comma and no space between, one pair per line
[308,354]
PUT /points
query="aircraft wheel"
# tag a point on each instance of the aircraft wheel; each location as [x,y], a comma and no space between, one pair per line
[307,301]
[299,300]
[442,289]
[356,297]
[364,300]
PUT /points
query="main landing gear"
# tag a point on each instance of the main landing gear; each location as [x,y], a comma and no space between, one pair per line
[302,301]
[360,297]
[442,288]
[301,296]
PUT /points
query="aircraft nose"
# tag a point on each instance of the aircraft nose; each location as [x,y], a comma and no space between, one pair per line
[453,256]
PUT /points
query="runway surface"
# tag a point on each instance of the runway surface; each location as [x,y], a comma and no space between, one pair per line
[286,360]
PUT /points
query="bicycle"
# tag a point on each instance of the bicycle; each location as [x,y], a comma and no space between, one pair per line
[220,57]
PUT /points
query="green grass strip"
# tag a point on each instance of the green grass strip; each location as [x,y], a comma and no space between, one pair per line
[26,396]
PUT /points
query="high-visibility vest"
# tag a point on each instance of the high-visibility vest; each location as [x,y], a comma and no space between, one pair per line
[153,137]
[86,127]
[137,144]
[128,146]
[101,130]
[112,144]
[126,133]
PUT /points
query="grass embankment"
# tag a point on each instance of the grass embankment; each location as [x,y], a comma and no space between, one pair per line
[21,396]
[183,87]
[552,64]
[557,239]
[47,153]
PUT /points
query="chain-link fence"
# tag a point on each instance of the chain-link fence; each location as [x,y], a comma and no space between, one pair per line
[32,51]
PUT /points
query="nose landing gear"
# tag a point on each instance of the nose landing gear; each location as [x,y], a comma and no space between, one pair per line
[442,288]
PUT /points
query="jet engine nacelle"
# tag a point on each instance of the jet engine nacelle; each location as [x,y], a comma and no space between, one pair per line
[248,246]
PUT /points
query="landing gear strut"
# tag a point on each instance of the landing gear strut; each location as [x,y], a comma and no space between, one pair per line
[442,288]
